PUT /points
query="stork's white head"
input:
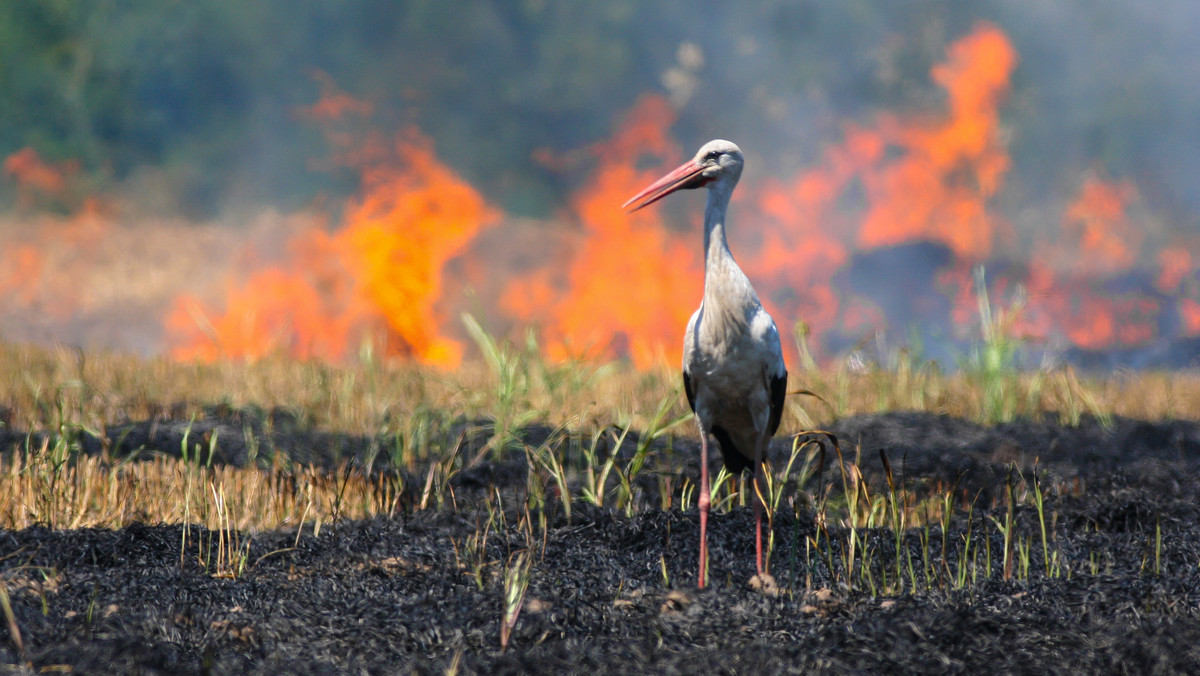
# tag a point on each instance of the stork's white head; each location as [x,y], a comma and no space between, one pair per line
[717,166]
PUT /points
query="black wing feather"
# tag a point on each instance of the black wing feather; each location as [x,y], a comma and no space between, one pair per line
[691,394]
[778,393]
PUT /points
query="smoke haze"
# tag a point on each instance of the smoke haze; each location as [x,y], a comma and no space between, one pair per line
[187,178]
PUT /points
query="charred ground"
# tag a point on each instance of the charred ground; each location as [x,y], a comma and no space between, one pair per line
[612,592]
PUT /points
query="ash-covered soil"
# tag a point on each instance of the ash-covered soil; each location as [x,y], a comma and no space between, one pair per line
[615,593]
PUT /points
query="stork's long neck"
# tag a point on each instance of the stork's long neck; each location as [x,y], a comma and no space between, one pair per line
[716,248]
[727,292]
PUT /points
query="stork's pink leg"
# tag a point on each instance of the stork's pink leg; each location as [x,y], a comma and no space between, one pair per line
[759,496]
[758,510]
[702,501]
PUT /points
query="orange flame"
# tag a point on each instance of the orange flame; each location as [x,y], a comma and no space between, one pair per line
[939,185]
[798,253]
[926,178]
[305,309]
[378,279]
[20,267]
[625,285]
[1073,309]
[35,177]
[1189,312]
[629,287]
[49,267]
[333,104]
[1174,265]
[1106,240]
[1096,240]
[958,284]
[413,219]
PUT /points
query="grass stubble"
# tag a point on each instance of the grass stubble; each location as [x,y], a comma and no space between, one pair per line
[606,423]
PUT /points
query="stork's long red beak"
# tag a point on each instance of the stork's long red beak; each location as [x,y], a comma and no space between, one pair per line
[688,175]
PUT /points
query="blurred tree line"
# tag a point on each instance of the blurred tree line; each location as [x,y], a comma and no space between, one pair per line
[205,93]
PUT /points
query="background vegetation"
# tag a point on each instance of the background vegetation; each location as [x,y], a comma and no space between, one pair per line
[204,94]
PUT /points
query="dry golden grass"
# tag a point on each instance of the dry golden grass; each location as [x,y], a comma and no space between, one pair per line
[98,388]
[96,492]
[62,391]
[1062,392]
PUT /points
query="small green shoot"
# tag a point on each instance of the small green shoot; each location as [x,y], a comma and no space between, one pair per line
[516,583]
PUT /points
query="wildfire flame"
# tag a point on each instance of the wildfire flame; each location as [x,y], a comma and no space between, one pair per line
[37,179]
[1105,239]
[390,271]
[628,287]
[946,171]
[633,282]
[925,176]
[627,283]
[1097,240]
[1189,311]
[46,268]
[1174,265]
[21,264]
[377,279]
[334,104]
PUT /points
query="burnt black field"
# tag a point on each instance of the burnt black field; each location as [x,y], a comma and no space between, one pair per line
[615,593]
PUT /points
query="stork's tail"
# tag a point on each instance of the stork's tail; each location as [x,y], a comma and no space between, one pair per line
[735,461]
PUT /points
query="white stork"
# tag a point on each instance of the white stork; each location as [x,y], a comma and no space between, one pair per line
[733,370]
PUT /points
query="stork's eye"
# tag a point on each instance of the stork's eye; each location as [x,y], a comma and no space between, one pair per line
[712,156]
